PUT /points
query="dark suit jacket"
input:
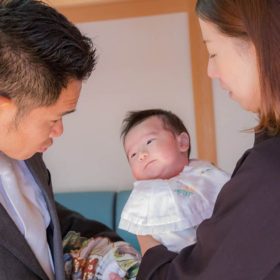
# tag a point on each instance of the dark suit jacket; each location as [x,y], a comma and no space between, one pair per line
[241,241]
[17,261]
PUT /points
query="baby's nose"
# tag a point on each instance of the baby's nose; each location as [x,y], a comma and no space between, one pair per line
[143,155]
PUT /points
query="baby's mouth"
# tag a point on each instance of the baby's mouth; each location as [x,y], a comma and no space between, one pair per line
[149,163]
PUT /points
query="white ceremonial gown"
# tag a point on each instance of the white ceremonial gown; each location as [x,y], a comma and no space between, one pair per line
[171,210]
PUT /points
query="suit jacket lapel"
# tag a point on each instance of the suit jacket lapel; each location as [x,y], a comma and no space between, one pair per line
[42,178]
[14,241]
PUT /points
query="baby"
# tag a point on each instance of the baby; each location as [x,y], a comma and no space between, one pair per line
[172,194]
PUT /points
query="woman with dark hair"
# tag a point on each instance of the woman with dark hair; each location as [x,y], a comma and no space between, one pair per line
[241,241]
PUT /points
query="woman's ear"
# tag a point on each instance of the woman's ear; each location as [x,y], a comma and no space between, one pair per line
[183,141]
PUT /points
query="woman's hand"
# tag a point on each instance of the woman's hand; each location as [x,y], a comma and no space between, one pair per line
[146,242]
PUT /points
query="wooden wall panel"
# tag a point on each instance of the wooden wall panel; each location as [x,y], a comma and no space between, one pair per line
[203,97]
[113,9]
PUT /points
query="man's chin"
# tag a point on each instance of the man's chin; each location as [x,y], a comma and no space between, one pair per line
[25,157]
[17,157]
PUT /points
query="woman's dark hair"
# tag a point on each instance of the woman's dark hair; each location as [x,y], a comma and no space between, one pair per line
[40,52]
[170,121]
[256,21]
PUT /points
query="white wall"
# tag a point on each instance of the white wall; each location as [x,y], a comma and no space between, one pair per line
[143,63]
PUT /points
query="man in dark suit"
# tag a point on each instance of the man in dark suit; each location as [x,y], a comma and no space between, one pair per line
[43,61]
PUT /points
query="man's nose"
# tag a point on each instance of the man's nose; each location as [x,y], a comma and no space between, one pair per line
[57,129]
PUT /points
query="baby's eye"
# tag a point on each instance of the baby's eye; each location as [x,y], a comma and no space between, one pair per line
[212,55]
[132,155]
[150,141]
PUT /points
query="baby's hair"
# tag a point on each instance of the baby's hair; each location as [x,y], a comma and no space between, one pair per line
[170,121]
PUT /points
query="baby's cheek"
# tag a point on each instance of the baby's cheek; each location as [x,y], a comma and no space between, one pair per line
[137,174]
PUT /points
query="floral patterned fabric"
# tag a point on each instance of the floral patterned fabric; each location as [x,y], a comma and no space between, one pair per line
[96,258]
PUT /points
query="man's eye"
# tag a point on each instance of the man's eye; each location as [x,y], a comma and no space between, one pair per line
[56,120]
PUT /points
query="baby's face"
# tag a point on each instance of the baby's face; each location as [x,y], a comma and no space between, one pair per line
[154,152]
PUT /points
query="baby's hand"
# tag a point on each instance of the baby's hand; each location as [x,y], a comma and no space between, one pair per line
[114,276]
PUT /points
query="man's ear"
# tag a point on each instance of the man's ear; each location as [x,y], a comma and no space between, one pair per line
[183,141]
[4,102]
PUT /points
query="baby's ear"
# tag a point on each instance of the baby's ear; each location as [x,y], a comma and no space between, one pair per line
[183,141]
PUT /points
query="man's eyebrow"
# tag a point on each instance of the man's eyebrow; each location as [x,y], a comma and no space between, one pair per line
[68,112]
